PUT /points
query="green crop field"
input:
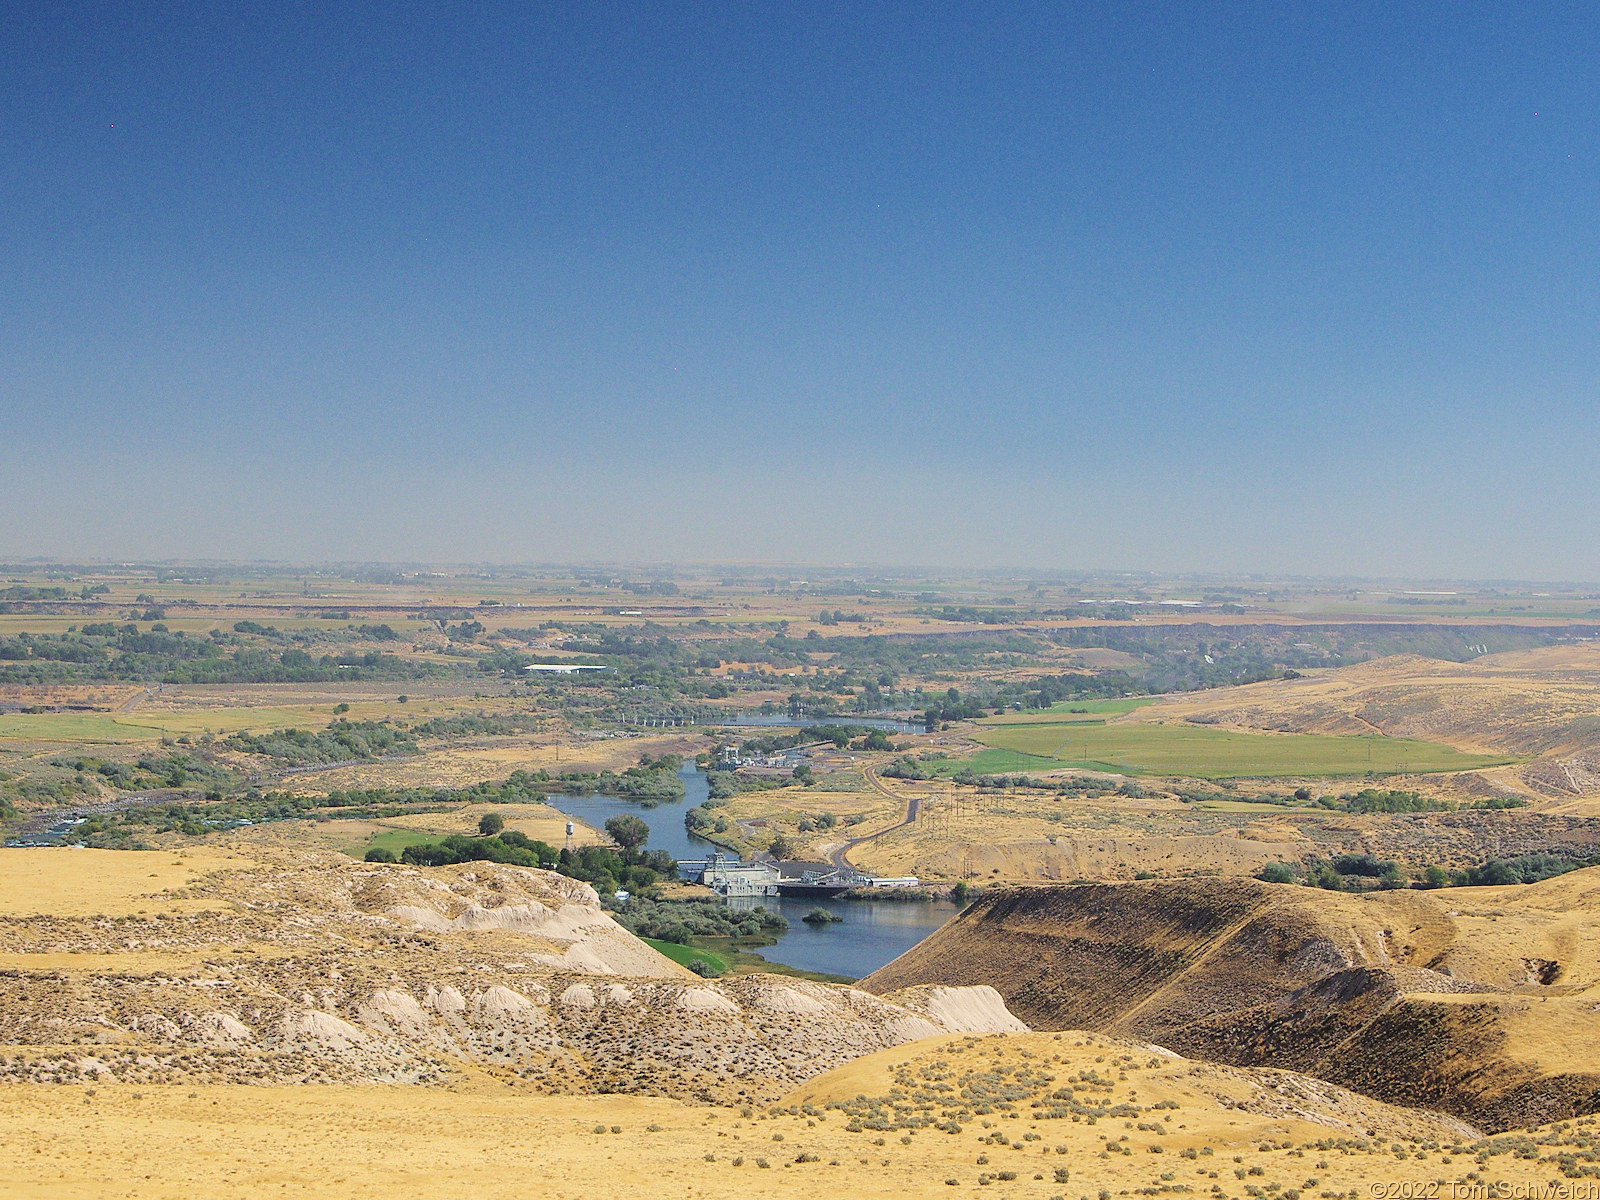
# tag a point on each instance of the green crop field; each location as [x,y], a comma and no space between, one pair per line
[1222,754]
[150,724]
[394,841]
[75,727]
[996,762]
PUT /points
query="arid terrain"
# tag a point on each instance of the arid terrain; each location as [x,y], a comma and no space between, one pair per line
[291,967]
[1238,868]
[266,1021]
[1475,1001]
[1155,1124]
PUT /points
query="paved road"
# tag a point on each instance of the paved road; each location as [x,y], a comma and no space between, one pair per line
[133,701]
[839,855]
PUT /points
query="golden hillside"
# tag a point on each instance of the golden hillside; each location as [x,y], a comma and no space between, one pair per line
[1024,1116]
[291,967]
[1477,1001]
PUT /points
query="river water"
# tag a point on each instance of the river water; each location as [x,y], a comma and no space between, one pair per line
[870,933]
[665,820]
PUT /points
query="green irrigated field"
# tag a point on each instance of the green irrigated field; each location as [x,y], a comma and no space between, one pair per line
[996,762]
[684,955]
[1221,754]
[149,724]
[75,727]
[395,841]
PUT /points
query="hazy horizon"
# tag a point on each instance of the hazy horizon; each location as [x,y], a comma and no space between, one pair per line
[1231,291]
[1103,579]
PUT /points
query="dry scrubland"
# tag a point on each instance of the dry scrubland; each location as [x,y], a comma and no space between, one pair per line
[1539,707]
[446,1028]
[1023,836]
[487,1030]
[540,822]
[257,1012]
[1484,1002]
[275,966]
[463,764]
[1211,1125]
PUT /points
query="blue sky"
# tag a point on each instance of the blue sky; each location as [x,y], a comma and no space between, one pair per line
[1235,287]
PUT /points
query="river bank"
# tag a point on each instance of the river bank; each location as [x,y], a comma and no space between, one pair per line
[871,931]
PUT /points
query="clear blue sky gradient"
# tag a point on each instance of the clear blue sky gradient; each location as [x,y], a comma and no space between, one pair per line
[1276,287]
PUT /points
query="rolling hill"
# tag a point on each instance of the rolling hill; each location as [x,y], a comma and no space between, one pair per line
[1479,1002]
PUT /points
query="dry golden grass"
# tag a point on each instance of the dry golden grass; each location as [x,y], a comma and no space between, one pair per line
[1012,838]
[131,962]
[1225,1127]
[100,695]
[106,882]
[138,715]
[1503,929]
[759,816]
[460,765]
[543,823]
[1478,1001]
[540,822]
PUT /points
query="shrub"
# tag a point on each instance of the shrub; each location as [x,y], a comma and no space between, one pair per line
[1527,868]
[490,824]
[1363,864]
[1373,800]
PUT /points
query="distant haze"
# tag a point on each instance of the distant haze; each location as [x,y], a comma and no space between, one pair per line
[1307,289]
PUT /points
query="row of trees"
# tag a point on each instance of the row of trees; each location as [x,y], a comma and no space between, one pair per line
[1361,872]
[627,866]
